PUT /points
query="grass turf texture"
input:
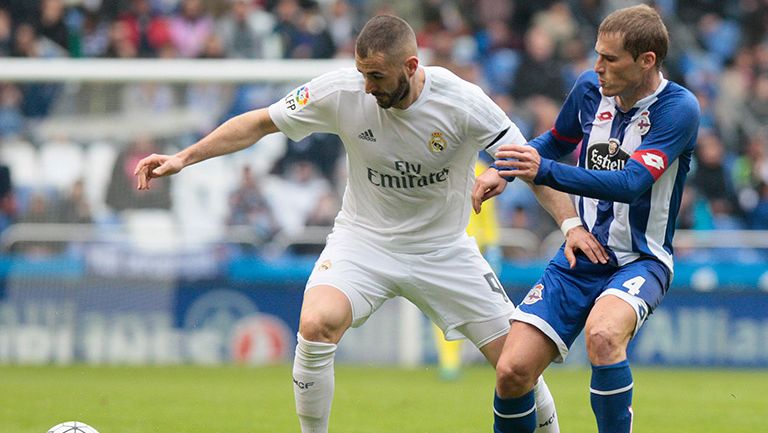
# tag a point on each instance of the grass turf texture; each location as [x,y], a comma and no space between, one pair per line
[368,400]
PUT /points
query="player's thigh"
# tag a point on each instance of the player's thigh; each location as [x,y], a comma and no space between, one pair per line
[457,289]
[642,285]
[358,270]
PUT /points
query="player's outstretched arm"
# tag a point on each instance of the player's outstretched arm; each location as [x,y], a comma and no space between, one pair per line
[515,160]
[235,134]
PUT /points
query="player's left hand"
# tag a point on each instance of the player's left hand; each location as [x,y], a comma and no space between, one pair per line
[488,184]
[514,160]
[579,239]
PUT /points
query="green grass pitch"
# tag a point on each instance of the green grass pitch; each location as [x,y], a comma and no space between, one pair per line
[235,399]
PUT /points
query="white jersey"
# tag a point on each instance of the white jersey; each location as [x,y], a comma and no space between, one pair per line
[410,171]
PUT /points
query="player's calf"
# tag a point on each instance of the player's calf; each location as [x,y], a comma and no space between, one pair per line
[313,384]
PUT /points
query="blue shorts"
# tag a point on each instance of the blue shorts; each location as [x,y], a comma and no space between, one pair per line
[561,300]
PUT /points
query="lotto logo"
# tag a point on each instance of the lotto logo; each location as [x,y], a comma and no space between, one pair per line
[652,159]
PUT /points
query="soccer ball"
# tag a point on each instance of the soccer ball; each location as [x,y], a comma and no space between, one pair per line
[72,427]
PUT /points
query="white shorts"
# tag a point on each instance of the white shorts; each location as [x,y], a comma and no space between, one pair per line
[454,286]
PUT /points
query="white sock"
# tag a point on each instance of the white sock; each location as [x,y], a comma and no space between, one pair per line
[313,384]
[546,415]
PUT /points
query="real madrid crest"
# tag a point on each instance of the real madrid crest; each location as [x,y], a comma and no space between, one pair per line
[643,123]
[437,142]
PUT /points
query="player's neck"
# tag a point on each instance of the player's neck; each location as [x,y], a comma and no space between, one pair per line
[647,87]
[417,85]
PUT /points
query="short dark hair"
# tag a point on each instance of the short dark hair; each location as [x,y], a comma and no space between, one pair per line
[642,28]
[388,35]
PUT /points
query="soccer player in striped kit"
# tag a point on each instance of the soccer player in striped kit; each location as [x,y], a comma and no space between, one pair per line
[637,132]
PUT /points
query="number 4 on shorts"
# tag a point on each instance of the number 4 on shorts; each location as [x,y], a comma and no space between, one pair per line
[633,285]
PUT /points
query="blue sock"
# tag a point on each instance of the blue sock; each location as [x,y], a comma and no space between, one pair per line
[514,415]
[611,397]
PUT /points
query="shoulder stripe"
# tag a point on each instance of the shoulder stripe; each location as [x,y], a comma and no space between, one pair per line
[564,138]
[498,137]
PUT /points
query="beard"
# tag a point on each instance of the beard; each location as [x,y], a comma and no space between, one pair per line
[387,100]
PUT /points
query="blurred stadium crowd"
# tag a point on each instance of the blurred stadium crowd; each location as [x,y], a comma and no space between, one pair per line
[526,54]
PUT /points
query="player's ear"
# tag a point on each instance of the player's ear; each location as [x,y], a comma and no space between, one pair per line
[411,65]
[648,60]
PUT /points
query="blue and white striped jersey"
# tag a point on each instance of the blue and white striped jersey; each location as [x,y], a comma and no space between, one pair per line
[631,167]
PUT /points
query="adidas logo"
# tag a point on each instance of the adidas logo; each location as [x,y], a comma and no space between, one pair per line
[367,135]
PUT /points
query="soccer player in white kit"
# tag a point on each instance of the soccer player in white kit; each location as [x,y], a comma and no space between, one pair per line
[411,149]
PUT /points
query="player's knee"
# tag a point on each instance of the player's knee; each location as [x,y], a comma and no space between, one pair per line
[605,345]
[514,380]
[317,327]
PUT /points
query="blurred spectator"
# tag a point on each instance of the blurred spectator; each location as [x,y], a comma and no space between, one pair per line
[144,30]
[308,191]
[122,193]
[576,55]
[539,72]
[41,209]
[750,170]
[7,199]
[248,206]
[208,99]
[325,210]
[758,217]
[28,43]
[303,31]
[147,96]
[6,33]
[38,210]
[558,22]
[484,12]
[11,117]
[119,44]
[95,35]
[190,28]
[37,97]
[314,39]
[757,102]
[544,111]
[498,54]
[719,36]
[343,27]
[50,23]
[754,21]
[733,87]
[691,11]
[323,150]
[711,176]
[587,14]
[74,207]
[288,14]
[246,31]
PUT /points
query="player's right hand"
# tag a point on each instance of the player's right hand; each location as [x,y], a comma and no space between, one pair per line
[488,184]
[156,166]
[579,239]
